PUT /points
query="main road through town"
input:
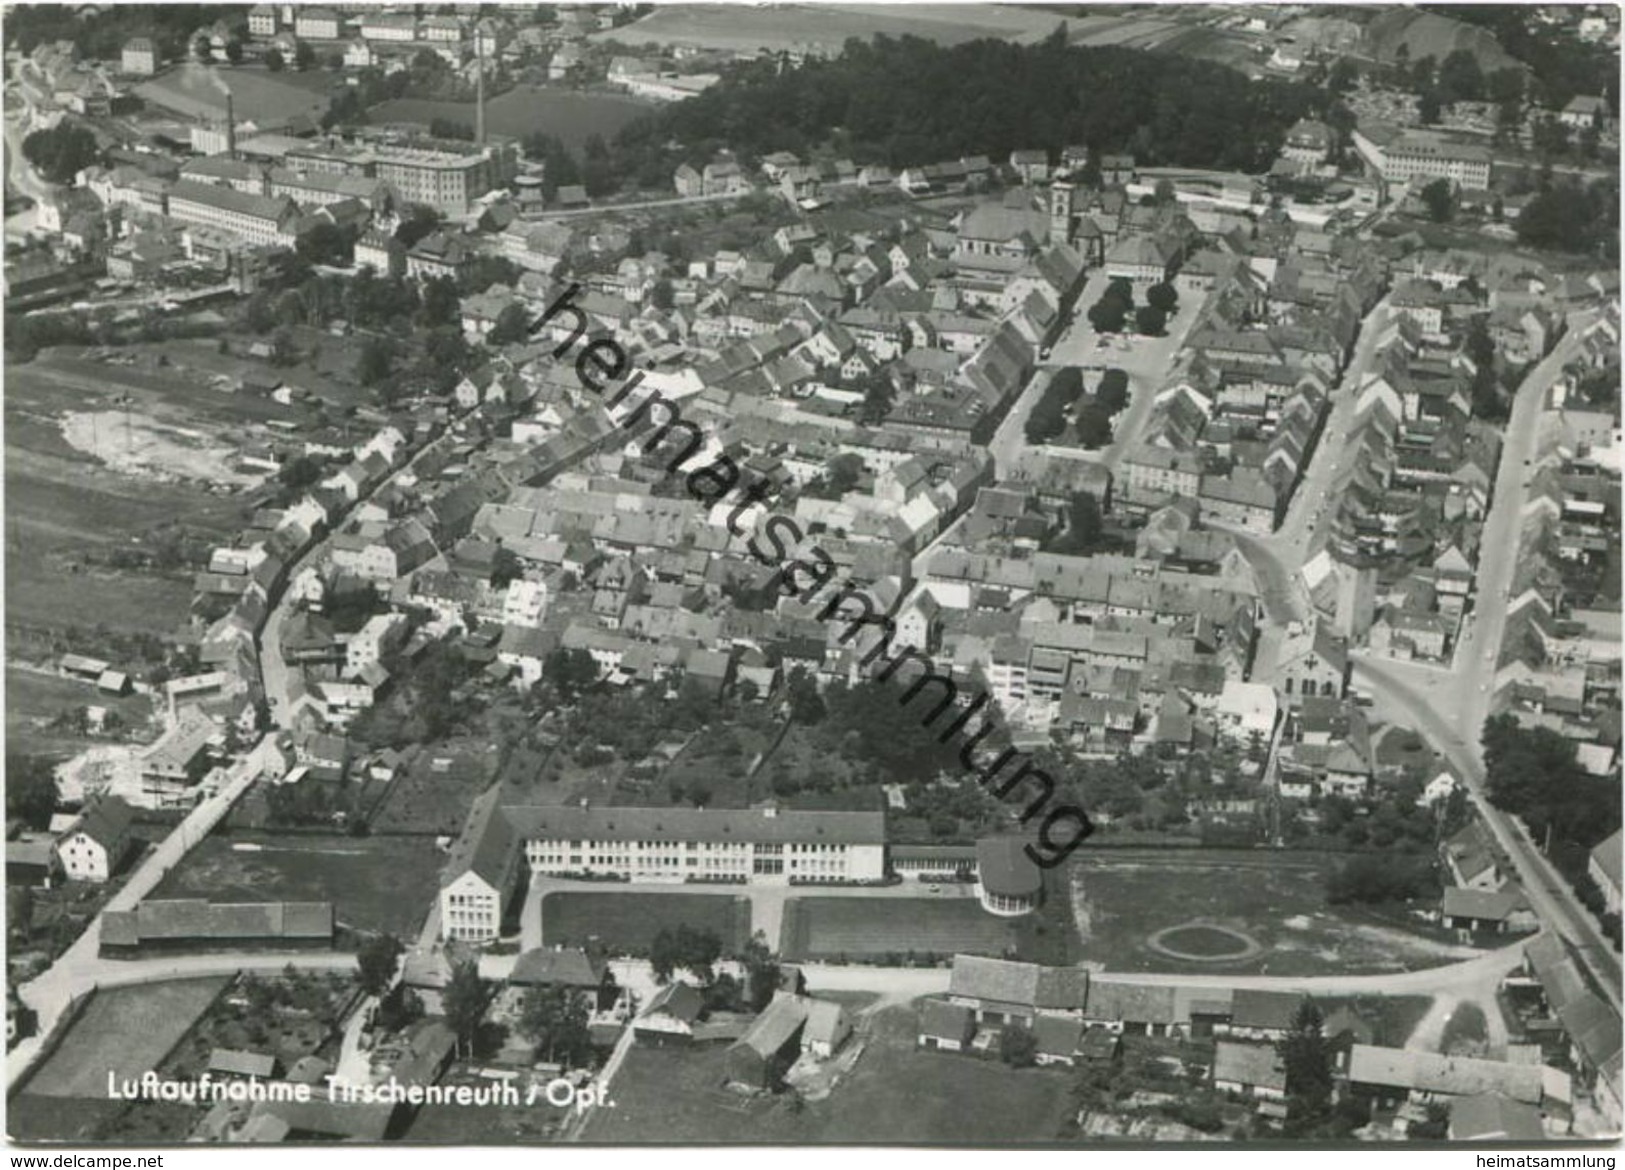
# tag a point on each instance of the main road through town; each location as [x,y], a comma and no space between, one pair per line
[80,967]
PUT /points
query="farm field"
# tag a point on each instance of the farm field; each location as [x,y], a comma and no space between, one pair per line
[895,1094]
[1122,898]
[126,1031]
[798,25]
[374,883]
[828,928]
[569,115]
[626,923]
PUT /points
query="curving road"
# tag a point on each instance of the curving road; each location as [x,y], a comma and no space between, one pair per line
[1548,893]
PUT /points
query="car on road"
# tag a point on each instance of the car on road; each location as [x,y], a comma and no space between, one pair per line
[934,889]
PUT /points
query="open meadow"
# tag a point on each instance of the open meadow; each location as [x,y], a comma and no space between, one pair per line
[791,26]
[569,115]
[35,701]
[75,524]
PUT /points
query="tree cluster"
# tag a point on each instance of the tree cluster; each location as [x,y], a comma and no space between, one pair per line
[686,948]
[1048,419]
[1376,878]
[988,97]
[1534,774]
[61,151]
[1567,217]
[30,789]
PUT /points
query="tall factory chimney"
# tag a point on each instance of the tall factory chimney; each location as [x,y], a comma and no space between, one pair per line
[479,87]
[231,128]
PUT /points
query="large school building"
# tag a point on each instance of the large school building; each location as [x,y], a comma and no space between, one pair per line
[672,845]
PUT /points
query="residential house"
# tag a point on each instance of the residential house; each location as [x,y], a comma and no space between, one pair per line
[98,840]
[946,1026]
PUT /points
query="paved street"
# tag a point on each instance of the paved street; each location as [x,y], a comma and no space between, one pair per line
[1548,893]
[79,968]
[274,671]
[90,973]
[1449,707]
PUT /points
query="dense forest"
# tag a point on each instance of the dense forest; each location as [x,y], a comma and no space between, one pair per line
[905,101]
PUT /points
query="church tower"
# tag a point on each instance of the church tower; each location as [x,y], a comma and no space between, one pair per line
[1062,197]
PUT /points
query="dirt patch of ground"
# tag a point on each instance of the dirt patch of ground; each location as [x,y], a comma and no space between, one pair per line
[136,445]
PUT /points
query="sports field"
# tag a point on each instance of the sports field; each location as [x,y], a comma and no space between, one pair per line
[626,923]
[871,928]
[1128,900]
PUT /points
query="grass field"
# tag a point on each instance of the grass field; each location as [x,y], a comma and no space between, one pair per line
[781,27]
[1124,896]
[33,699]
[427,800]
[125,1031]
[827,928]
[374,883]
[627,923]
[895,1094]
[569,115]
[191,90]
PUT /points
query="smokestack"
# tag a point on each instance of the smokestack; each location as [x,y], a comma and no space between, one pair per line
[231,128]
[479,87]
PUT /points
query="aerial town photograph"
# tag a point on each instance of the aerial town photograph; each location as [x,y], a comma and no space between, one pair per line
[958,575]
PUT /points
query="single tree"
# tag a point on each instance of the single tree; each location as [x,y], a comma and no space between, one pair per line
[234,51]
[202,49]
[555,1018]
[1112,393]
[1094,427]
[512,326]
[1018,1047]
[376,361]
[1162,295]
[275,61]
[1439,197]
[304,56]
[30,789]
[377,961]
[464,1002]
[1429,107]
[1150,320]
[762,974]
[1307,1057]
[1108,316]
